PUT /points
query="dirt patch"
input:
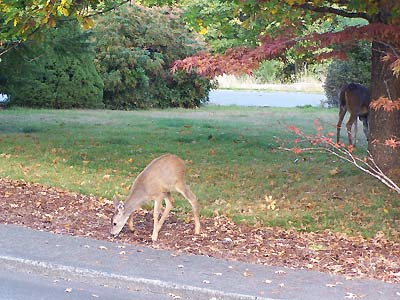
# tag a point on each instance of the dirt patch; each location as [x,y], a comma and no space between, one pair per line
[63,212]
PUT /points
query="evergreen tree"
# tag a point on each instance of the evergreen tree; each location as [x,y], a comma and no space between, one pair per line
[56,71]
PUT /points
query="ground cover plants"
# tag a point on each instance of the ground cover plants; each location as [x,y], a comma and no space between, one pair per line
[235,166]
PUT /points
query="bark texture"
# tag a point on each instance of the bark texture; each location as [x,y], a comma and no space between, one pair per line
[384,125]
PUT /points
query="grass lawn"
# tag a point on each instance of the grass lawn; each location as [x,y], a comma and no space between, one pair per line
[234,166]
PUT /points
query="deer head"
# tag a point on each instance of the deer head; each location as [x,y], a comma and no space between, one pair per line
[119,218]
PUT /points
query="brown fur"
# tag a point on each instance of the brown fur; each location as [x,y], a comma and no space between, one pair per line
[162,176]
[355,98]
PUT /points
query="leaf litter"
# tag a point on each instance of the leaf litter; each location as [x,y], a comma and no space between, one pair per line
[63,212]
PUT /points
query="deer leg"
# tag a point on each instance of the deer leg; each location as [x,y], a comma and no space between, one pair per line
[342,113]
[169,201]
[364,119]
[349,125]
[187,193]
[130,223]
[156,214]
[355,131]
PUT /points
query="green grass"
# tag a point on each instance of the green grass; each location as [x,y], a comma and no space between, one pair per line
[234,165]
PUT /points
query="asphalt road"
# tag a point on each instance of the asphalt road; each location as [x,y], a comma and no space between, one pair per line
[40,265]
[21,285]
[265,98]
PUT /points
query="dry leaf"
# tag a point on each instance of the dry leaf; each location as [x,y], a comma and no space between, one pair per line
[247,273]
[334,171]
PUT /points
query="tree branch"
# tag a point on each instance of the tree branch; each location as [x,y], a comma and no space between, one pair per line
[108,9]
[335,11]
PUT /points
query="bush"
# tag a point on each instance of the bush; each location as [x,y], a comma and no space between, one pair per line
[356,69]
[268,71]
[57,72]
[135,47]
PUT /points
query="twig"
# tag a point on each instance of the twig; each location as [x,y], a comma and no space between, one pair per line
[345,154]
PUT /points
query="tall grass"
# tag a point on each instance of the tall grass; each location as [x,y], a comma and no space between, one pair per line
[234,165]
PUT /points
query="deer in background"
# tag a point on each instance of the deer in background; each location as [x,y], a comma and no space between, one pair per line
[162,176]
[355,98]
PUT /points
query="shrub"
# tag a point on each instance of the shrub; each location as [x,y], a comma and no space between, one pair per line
[135,47]
[56,72]
[268,71]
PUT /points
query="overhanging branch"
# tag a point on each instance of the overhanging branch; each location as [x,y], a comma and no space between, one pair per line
[332,10]
[115,6]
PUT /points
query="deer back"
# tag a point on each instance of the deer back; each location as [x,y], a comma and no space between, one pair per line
[160,176]
[356,98]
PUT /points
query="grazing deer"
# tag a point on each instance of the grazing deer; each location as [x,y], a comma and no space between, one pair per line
[355,98]
[162,176]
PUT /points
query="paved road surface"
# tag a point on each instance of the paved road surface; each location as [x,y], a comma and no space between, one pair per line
[39,265]
[21,285]
[264,98]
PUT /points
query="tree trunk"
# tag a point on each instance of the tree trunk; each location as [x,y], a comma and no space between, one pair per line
[384,125]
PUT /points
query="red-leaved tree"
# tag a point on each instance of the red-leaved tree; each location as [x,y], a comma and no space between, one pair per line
[294,18]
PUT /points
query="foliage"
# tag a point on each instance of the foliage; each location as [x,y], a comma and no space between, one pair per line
[222,24]
[291,27]
[357,68]
[286,72]
[57,72]
[225,25]
[268,71]
[135,47]
[245,59]
[23,19]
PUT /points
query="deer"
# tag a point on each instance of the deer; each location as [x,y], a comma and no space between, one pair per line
[162,176]
[355,98]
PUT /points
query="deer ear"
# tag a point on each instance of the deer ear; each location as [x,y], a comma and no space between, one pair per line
[115,202]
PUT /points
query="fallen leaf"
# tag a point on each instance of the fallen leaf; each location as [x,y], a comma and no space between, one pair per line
[247,274]
[351,296]
[334,171]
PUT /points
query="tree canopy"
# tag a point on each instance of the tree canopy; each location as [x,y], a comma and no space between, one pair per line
[22,19]
[283,25]
[288,27]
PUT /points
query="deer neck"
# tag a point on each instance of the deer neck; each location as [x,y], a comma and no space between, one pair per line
[136,198]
